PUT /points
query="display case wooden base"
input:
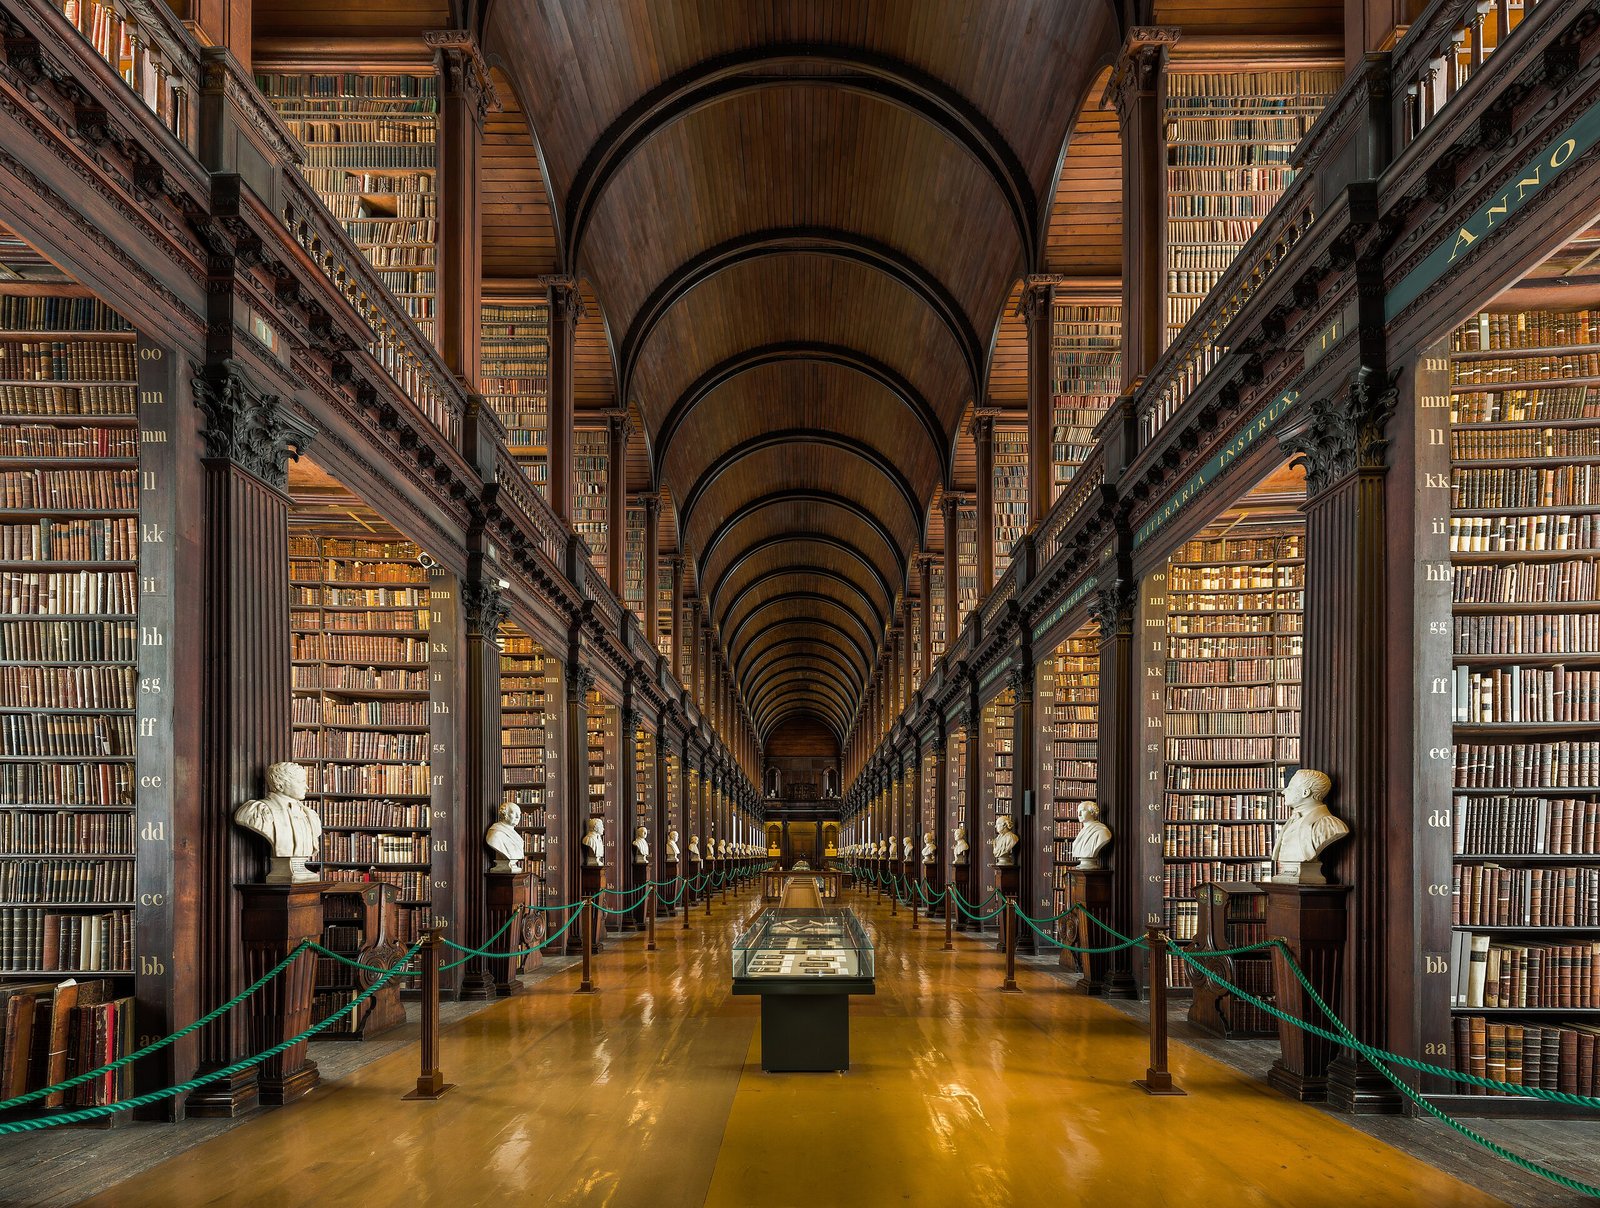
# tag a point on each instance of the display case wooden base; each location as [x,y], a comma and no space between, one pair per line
[275,919]
[1091,890]
[1312,919]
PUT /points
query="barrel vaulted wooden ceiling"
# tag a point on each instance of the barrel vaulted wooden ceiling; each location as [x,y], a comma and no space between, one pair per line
[798,224]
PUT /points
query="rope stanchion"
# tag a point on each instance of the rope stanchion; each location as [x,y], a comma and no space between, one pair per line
[1157,1079]
[1008,930]
[915,925]
[590,923]
[430,1079]
[651,904]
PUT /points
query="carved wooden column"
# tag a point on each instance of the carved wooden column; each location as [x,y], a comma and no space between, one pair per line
[908,632]
[579,680]
[243,713]
[983,446]
[618,426]
[1137,88]
[1025,775]
[925,588]
[1343,443]
[941,828]
[949,507]
[679,629]
[628,770]
[1118,787]
[466,94]
[485,609]
[693,638]
[652,571]
[566,309]
[1038,294]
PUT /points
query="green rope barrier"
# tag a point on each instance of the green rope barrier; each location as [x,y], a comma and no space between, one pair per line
[157,1045]
[540,946]
[673,901]
[122,1105]
[962,904]
[1381,1058]
[1134,943]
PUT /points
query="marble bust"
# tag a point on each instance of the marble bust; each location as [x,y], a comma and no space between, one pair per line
[641,845]
[289,826]
[505,840]
[906,845]
[1312,828]
[673,851]
[722,848]
[1005,841]
[928,852]
[694,848]
[958,853]
[594,842]
[1094,836]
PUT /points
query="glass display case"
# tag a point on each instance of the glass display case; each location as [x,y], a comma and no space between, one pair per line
[803,943]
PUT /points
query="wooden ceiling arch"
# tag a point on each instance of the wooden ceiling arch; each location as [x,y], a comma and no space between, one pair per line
[787,600]
[751,557]
[811,629]
[821,680]
[801,698]
[789,496]
[787,655]
[807,573]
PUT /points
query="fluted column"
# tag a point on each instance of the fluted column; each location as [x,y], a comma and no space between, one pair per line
[485,609]
[466,95]
[950,506]
[1038,296]
[983,446]
[566,309]
[925,588]
[652,571]
[618,426]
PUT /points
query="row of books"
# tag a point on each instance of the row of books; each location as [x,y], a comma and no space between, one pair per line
[371,744]
[65,832]
[1506,444]
[1524,534]
[68,440]
[1259,723]
[1223,670]
[1556,1057]
[1498,370]
[1300,87]
[1489,973]
[1204,601]
[67,360]
[420,91]
[1218,697]
[1571,581]
[69,593]
[388,128]
[412,887]
[1184,777]
[1264,178]
[1180,880]
[1235,577]
[108,539]
[89,400]
[1492,895]
[344,847]
[378,779]
[58,312]
[361,712]
[1525,826]
[341,571]
[400,205]
[338,678]
[38,939]
[1508,487]
[1526,695]
[55,1031]
[360,648]
[1550,404]
[106,687]
[1267,621]
[405,620]
[1528,633]
[1187,840]
[364,157]
[336,814]
[360,597]
[1285,749]
[1224,807]
[1527,765]
[73,490]
[60,783]
[1212,650]
[1254,206]
[66,882]
[1492,331]
[66,734]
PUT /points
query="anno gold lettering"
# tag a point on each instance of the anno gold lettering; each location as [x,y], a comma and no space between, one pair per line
[1464,238]
[1503,206]
[1556,156]
[1525,182]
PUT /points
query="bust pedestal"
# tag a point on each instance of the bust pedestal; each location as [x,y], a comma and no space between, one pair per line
[504,893]
[1006,881]
[1091,889]
[669,873]
[591,880]
[275,919]
[637,881]
[1312,919]
[961,883]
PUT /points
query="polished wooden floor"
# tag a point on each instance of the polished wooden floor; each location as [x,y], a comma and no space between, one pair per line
[651,1093]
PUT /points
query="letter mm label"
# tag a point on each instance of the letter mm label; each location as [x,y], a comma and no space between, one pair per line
[1534,176]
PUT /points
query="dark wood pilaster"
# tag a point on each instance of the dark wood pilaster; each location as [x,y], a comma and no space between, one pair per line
[627,775]
[1137,88]
[575,810]
[1031,857]
[652,571]
[566,308]
[617,429]
[484,609]
[1037,296]
[1119,774]
[925,598]
[466,95]
[983,446]
[948,506]
[679,629]
[244,707]
[941,827]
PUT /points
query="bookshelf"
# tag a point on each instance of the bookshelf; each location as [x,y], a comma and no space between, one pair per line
[70,662]
[1230,137]
[591,461]
[515,379]
[936,602]
[644,785]
[966,562]
[601,748]
[999,770]
[526,701]
[1010,495]
[672,787]
[664,626]
[360,620]
[371,154]
[1074,691]
[633,555]
[1085,379]
[955,787]
[1524,792]
[928,801]
[1227,693]
[916,646]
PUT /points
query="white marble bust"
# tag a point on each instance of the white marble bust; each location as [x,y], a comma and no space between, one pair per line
[505,840]
[958,853]
[1311,829]
[906,848]
[283,819]
[928,850]
[1094,836]
[594,841]
[694,848]
[1004,843]
[722,848]
[673,850]
[641,845]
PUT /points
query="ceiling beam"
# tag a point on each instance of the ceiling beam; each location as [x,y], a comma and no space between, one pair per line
[811,572]
[804,537]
